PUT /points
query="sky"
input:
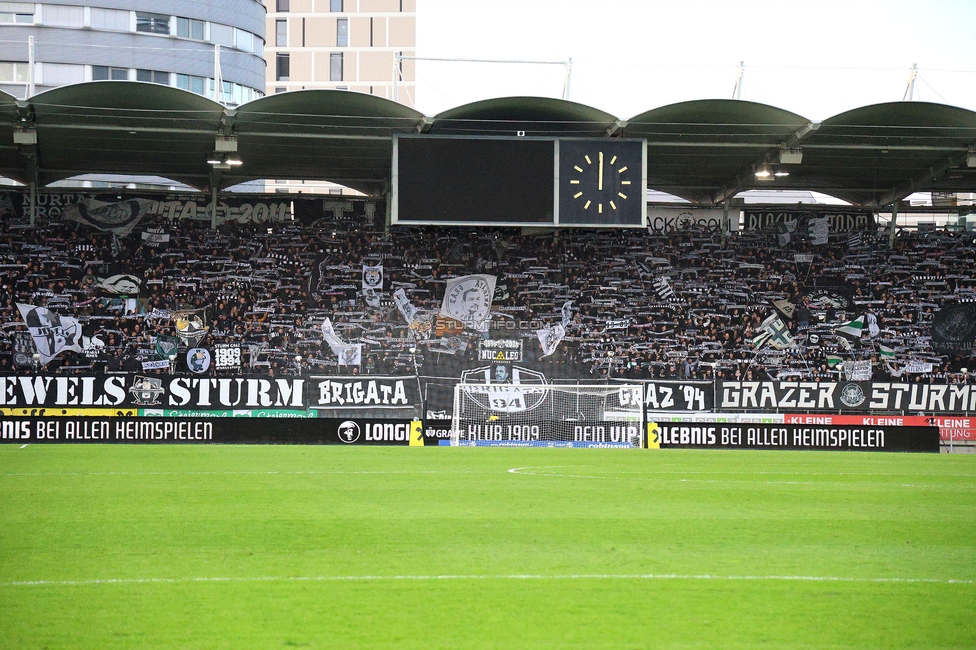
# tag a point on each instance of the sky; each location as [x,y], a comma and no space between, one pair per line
[814,58]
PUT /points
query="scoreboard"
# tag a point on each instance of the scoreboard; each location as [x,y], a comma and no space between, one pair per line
[492,181]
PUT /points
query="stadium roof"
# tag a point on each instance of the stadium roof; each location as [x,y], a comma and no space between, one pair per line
[705,151]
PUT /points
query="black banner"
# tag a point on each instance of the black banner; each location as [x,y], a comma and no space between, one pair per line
[838,220]
[677,395]
[708,435]
[861,397]
[363,392]
[954,328]
[134,390]
[172,207]
[112,430]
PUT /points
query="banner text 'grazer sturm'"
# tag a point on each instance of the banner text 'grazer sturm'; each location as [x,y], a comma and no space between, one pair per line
[879,397]
[717,435]
[118,430]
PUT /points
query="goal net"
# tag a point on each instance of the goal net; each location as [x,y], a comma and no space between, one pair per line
[546,415]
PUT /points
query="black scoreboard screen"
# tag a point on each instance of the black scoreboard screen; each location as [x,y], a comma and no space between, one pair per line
[596,182]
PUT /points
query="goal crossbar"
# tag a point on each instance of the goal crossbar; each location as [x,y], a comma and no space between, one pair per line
[548,415]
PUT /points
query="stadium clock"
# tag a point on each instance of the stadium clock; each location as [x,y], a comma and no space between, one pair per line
[601,182]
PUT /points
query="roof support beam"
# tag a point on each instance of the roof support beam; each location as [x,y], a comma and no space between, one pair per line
[920,181]
[744,179]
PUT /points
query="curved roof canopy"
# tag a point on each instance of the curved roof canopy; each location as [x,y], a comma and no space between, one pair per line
[705,151]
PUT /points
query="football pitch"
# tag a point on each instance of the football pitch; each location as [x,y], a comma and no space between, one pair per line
[345,547]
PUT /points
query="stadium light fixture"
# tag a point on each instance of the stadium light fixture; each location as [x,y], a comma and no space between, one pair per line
[764,173]
[780,173]
[223,161]
[790,156]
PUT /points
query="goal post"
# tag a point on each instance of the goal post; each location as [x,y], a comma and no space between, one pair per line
[548,415]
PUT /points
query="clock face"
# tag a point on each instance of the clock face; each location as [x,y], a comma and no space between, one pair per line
[601,182]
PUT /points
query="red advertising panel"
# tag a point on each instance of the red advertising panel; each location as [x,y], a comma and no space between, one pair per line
[950,428]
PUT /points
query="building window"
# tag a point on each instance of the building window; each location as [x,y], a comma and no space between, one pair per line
[62,74]
[335,5]
[282,67]
[245,40]
[281,89]
[105,73]
[342,32]
[222,35]
[153,76]
[13,72]
[188,28]
[193,84]
[281,33]
[283,5]
[17,12]
[152,23]
[110,19]
[64,16]
[335,66]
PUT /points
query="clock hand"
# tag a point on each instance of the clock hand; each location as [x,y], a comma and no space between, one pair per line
[599,185]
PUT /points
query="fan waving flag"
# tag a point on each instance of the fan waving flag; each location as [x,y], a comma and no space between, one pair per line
[853,329]
[774,332]
[373,277]
[468,300]
[52,333]
[550,339]
[819,229]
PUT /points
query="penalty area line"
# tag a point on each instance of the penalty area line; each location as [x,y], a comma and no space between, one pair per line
[459,577]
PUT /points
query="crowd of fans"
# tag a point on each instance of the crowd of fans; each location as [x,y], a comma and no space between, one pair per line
[687,304]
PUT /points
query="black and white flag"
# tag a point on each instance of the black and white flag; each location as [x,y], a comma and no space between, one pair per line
[52,333]
[468,299]
[407,310]
[662,287]
[819,230]
[773,332]
[118,218]
[373,277]
[349,354]
[122,284]
[567,313]
[550,339]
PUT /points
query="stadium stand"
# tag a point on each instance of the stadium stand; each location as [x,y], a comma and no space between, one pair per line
[645,305]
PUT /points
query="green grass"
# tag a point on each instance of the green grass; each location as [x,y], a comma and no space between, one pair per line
[156,519]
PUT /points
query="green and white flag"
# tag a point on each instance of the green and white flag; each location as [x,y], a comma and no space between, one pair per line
[887,354]
[853,329]
[833,360]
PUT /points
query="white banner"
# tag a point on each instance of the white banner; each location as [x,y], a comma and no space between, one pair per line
[403,303]
[350,355]
[468,300]
[550,338]
[155,365]
[373,277]
[52,333]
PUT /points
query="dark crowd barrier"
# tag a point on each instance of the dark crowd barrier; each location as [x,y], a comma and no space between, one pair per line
[115,430]
[716,435]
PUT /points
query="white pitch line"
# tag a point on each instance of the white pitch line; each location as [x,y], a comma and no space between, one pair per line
[22,446]
[664,476]
[519,470]
[297,472]
[459,577]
